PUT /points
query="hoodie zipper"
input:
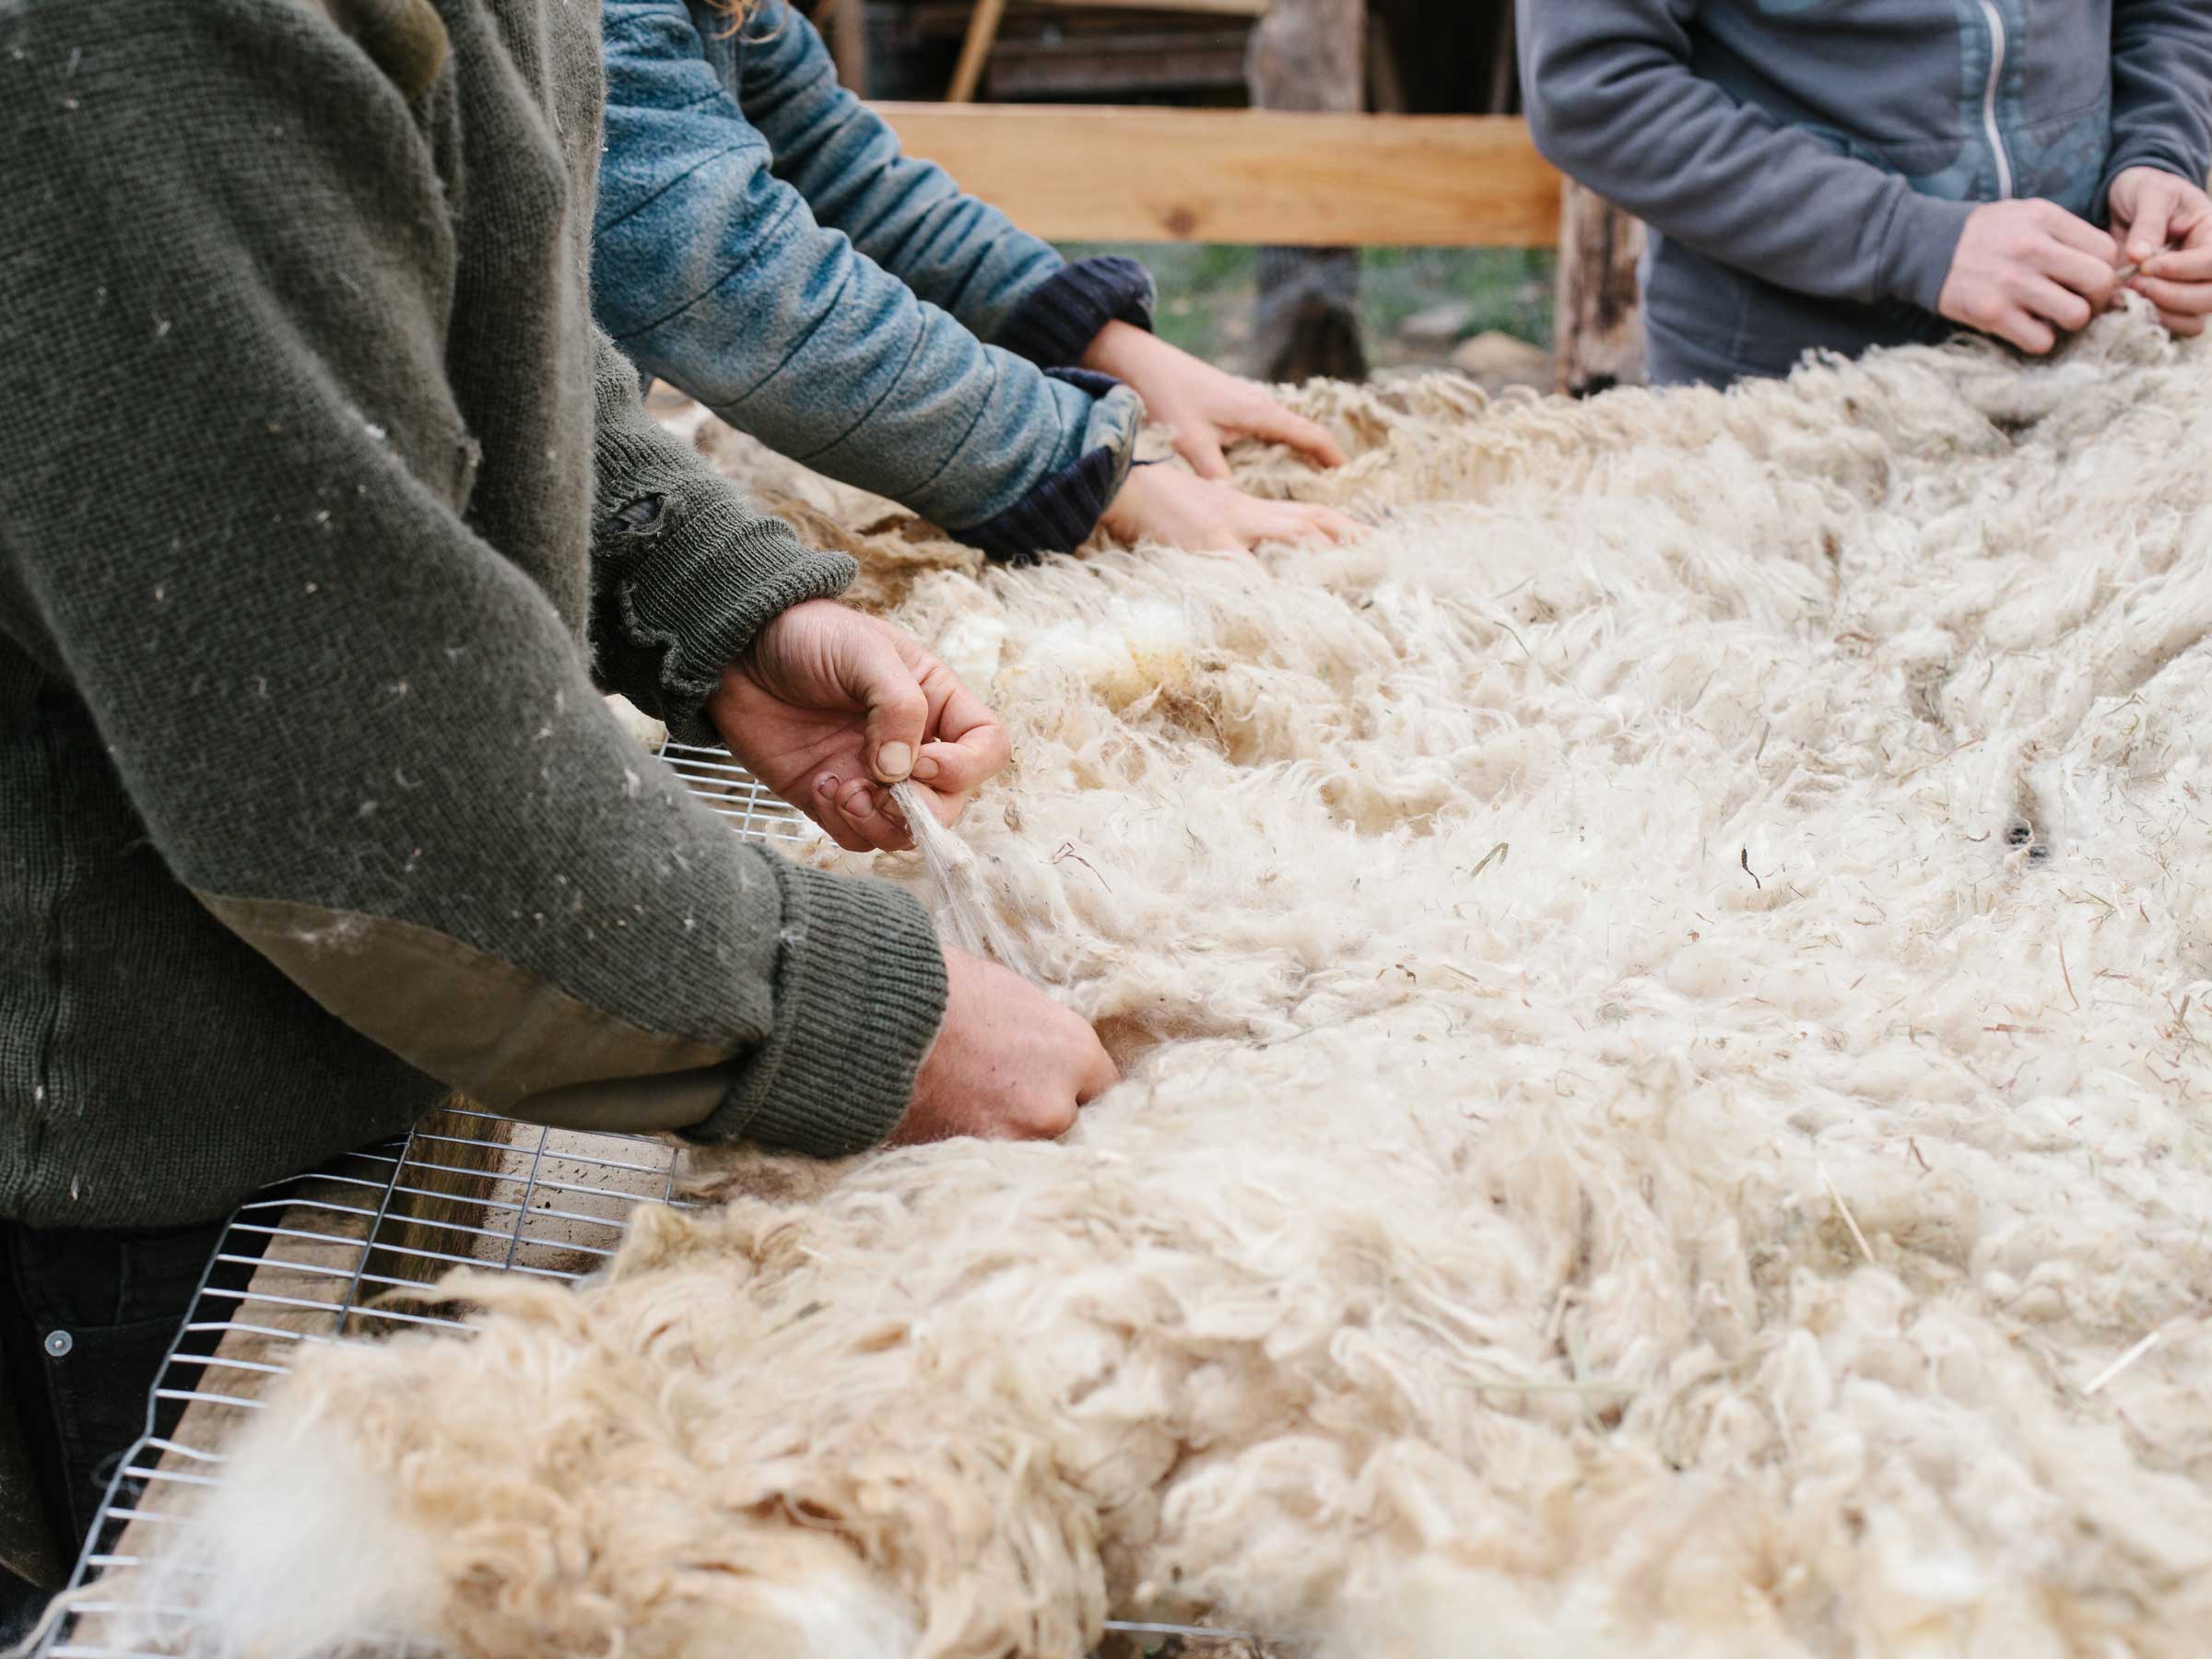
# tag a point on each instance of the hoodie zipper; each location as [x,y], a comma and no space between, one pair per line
[1989,97]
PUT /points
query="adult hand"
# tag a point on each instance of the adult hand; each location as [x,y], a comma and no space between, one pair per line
[2025,269]
[1206,408]
[2164,225]
[830,706]
[1009,1063]
[1163,503]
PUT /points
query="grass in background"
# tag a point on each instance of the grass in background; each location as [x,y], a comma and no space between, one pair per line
[1207,292]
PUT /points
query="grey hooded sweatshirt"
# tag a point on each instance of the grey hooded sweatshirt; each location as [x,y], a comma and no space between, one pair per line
[1807,166]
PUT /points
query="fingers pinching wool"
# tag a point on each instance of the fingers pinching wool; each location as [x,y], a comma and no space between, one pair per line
[881,678]
[967,748]
[2154,217]
[2176,299]
[868,808]
[2190,264]
[955,769]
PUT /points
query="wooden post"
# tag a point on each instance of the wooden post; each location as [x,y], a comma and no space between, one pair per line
[1599,317]
[848,22]
[1310,54]
[1505,69]
[975,51]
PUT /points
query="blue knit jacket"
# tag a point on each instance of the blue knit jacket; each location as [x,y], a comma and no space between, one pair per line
[763,244]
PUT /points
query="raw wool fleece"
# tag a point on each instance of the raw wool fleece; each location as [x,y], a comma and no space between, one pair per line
[1544,940]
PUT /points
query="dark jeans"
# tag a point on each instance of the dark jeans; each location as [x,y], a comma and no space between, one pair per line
[1707,323]
[86,1319]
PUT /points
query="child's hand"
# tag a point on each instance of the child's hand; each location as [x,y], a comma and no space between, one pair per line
[1163,503]
[2025,269]
[1206,408]
[2165,225]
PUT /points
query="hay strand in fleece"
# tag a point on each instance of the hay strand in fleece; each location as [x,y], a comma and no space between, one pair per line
[1664,1003]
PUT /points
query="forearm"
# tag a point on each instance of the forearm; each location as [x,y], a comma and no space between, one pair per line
[884,392]
[361,734]
[1615,104]
[910,217]
[712,273]
[2162,89]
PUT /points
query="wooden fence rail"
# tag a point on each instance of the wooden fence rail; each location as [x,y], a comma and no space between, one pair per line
[1102,173]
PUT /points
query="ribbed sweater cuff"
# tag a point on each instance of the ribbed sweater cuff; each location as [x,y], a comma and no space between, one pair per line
[1060,511]
[860,993]
[1056,324]
[686,573]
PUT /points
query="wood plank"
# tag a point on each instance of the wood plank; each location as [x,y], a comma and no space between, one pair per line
[1107,173]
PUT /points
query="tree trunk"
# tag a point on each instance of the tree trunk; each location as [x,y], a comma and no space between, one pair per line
[1309,54]
[1599,318]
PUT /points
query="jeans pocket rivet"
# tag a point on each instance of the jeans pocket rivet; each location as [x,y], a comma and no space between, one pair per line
[59,1343]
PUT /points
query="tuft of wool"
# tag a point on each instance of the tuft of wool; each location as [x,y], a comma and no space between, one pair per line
[964,909]
[1663,997]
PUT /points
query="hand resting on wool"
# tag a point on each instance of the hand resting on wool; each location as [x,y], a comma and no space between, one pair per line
[1009,1063]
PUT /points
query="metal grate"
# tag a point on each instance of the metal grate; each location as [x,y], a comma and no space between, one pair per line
[318,1257]
[311,1259]
[729,789]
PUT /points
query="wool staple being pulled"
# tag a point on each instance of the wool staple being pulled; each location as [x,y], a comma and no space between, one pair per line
[964,910]
[1663,1002]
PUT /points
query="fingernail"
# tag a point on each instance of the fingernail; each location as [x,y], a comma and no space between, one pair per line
[895,760]
[926,769]
[826,783]
[863,804]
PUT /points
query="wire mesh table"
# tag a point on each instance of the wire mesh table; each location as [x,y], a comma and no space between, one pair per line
[319,1257]
[727,788]
[312,1261]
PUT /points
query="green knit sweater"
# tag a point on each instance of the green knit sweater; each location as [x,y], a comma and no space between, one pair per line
[309,802]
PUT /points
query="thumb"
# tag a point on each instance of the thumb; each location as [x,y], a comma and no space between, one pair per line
[2153,222]
[881,680]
